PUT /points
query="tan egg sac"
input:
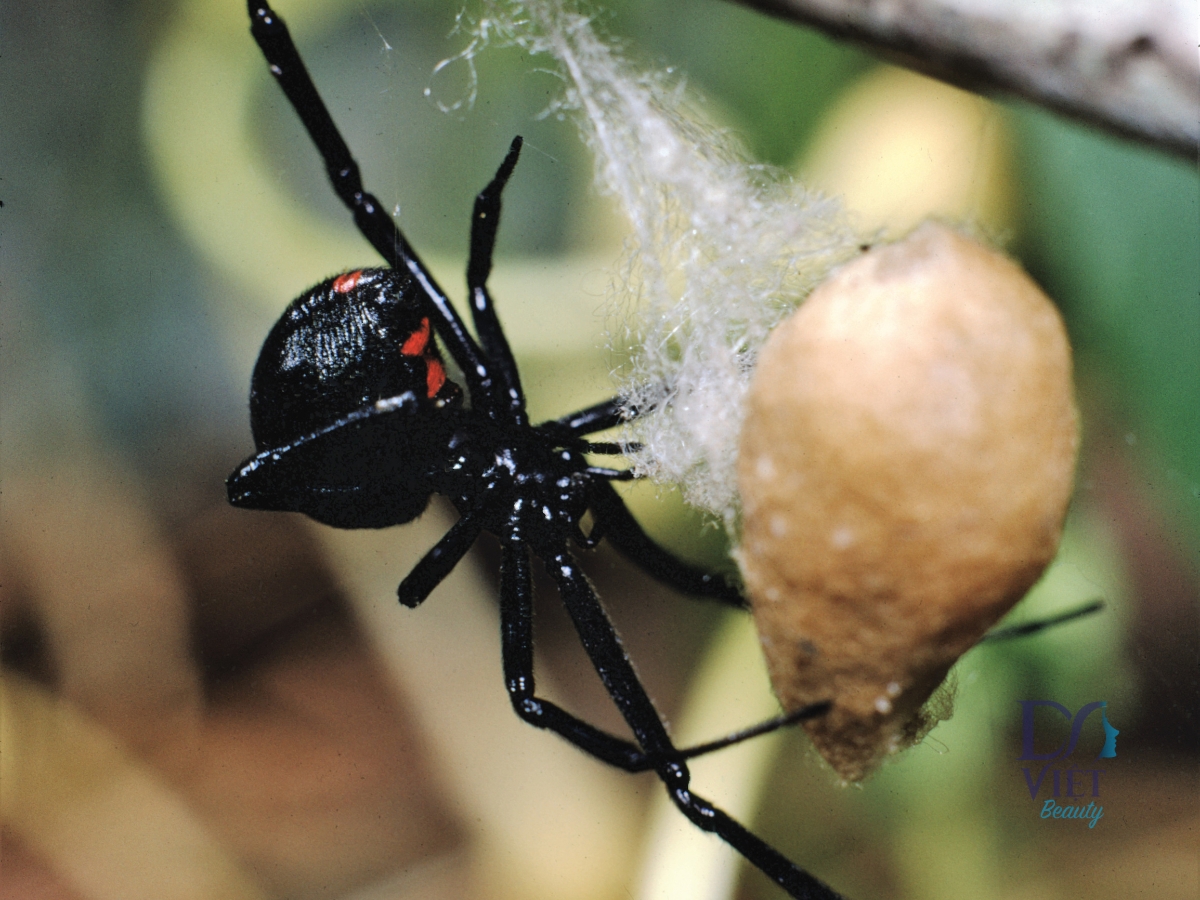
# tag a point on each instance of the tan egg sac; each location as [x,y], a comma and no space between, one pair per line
[905,467]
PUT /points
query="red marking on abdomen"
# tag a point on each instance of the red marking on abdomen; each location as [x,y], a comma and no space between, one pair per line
[344,284]
[435,377]
[414,344]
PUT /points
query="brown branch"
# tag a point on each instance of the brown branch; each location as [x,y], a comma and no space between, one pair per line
[1128,67]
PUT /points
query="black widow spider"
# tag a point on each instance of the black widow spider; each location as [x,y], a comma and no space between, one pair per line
[357,425]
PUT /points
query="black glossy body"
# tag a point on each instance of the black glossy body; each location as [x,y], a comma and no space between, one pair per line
[346,344]
[356,426]
[350,408]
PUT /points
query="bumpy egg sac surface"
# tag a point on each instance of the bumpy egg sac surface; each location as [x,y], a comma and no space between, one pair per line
[905,467]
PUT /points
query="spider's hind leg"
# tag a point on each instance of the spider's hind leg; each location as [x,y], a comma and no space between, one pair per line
[516,629]
[516,635]
[607,655]
[1024,629]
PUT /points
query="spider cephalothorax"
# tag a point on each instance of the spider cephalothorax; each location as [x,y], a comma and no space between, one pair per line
[356,425]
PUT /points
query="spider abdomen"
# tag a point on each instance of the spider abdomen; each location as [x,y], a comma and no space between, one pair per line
[346,344]
[350,406]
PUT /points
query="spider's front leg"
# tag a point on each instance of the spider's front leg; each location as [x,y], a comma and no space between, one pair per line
[485,222]
[273,38]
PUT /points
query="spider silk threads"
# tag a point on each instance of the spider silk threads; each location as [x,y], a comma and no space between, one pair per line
[720,248]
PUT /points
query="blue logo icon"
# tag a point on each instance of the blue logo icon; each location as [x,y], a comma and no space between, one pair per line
[1108,751]
[1071,782]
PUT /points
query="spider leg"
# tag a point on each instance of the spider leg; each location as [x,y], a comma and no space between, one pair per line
[612,474]
[516,630]
[485,221]
[516,626]
[435,565]
[812,711]
[604,648]
[1027,628]
[273,38]
[600,417]
[608,448]
[619,525]
[623,532]
[589,540]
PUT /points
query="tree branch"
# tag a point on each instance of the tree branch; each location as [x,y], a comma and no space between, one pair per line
[1128,67]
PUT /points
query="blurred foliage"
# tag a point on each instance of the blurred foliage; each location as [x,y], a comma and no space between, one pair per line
[771,80]
[1114,232]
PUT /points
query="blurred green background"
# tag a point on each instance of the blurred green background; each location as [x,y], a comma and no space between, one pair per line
[162,205]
